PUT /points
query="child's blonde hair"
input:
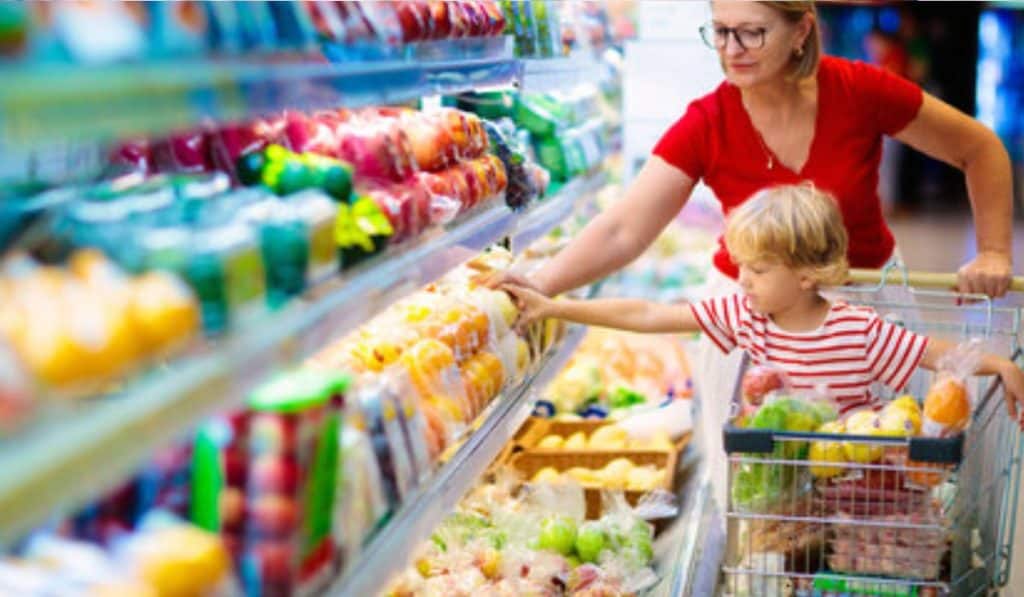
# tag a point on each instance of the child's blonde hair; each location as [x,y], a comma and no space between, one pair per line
[796,225]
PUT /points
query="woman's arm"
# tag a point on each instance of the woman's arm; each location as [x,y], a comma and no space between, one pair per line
[632,315]
[1008,372]
[615,237]
[951,136]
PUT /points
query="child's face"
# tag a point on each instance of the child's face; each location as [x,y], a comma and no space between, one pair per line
[771,286]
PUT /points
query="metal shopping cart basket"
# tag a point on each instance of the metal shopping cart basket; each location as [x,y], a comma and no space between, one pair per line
[907,516]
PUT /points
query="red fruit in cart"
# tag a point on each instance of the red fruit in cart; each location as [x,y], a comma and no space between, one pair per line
[274,515]
[232,509]
[273,474]
[440,19]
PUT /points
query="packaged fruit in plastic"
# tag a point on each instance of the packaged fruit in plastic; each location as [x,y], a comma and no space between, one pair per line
[391,449]
[292,451]
[759,381]
[947,406]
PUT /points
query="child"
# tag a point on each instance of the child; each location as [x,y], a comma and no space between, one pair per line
[788,242]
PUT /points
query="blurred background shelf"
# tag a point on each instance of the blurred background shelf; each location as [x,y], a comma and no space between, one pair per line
[544,217]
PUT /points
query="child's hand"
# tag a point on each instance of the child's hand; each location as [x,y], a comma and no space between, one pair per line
[1013,385]
[532,305]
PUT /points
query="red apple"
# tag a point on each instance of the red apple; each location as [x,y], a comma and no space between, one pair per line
[274,561]
[759,381]
[232,509]
[460,19]
[430,143]
[440,20]
[274,515]
[414,17]
[235,467]
[271,473]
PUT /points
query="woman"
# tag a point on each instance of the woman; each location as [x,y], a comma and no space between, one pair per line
[786,114]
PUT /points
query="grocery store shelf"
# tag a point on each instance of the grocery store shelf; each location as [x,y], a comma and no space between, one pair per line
[391,550]
[553,74]
[40,103]
[544,217]
[75,453]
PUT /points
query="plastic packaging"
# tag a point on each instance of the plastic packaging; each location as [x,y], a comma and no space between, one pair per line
[948,406]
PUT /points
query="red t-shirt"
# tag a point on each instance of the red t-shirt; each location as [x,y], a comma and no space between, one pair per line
[857,104]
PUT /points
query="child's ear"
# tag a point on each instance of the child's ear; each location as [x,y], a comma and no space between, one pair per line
[807,281]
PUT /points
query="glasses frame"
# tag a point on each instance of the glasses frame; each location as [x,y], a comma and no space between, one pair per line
[709,29]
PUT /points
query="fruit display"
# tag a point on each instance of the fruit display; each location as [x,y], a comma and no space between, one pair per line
[620,473]
[164,558]
[101,322]
[605,437]
[615,374]
[507,542]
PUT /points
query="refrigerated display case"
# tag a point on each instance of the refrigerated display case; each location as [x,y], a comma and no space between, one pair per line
[203,125]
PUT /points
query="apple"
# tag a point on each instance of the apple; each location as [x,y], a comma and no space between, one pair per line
[414,18]
[591,541]
[274,561]
[441,23]
[235,467]
[429,142]
[759,381]
[275,515]
[271,473]
[232,509]
[557,534]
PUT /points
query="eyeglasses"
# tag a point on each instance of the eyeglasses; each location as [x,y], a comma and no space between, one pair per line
[716,38]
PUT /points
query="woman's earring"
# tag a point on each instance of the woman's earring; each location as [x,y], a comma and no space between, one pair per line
[799,52]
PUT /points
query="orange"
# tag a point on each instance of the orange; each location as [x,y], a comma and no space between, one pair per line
[947,404]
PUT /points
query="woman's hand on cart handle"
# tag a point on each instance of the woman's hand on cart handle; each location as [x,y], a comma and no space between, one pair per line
[924,280]
[990,272]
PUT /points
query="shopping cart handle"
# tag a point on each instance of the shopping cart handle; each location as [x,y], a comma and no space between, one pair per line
[919,279]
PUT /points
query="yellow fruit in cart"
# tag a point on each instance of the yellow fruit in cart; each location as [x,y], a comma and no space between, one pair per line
[898,422]
[551,442]
[547,474]
[863,422]
[608,437]
[905,401]
[576,441]
[164,310]
[828,452]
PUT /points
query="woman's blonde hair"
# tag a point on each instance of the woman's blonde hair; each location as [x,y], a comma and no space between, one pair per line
[796,225]
[805,63]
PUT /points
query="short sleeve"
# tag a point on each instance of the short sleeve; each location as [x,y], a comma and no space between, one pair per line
[719,319]
[892,101]
[893,352]
[684,144]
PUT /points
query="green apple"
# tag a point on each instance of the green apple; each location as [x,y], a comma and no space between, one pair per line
[591,541]
[557,534]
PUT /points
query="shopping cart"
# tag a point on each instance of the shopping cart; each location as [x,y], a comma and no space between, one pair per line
[917,516]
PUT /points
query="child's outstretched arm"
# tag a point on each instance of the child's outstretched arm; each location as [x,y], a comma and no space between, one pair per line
[633,315]
[1007,370]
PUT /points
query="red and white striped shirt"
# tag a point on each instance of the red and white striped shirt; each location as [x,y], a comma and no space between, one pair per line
[851,350]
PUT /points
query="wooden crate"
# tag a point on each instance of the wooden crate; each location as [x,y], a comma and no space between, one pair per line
[527,463]
[536,428]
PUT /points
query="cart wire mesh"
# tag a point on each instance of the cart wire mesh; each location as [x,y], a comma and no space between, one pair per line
[883,515]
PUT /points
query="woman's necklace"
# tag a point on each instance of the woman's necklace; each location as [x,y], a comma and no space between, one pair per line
[764,148]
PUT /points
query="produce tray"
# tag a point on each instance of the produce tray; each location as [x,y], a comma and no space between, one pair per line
[528,463]
[536,428]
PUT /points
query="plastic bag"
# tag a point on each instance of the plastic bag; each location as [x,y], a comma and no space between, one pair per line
[761,380]
[948,405]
